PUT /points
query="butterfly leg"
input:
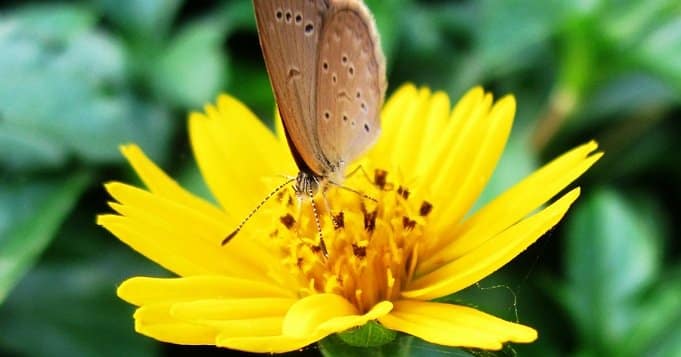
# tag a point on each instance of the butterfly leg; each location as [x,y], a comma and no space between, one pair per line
[357,169]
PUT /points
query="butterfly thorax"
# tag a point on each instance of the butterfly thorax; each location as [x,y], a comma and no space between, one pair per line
[307,183]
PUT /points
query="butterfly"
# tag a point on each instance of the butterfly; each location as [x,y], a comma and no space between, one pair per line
[327,70]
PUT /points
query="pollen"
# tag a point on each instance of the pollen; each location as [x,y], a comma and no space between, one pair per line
[370,240]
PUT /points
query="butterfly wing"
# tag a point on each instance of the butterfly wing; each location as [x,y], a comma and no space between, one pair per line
[289,32]
[351,82]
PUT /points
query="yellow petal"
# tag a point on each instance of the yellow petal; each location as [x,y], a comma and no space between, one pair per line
[412,124]
[453,325]
[143,290]
[441,145]
[159,183]
[463,271]
[279,126]
[512,205]
[266,344]
[168,232]
[287,342]
[231,309]
[158,253]
[251,327]
[235,151]
[308,313]
[179,333]
[391,118]
[422,125]
[158,317]
[342,323]
[462,176]
[155,321]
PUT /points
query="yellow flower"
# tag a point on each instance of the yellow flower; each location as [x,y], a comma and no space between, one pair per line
[271,290]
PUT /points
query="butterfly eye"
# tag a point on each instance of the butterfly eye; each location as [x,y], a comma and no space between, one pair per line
[279,14]
[366,127]
[299,19]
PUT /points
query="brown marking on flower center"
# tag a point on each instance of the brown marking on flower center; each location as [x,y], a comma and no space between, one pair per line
[339,220]
[425,209]
[370,220]
[408,223]
[403,191]
[359,252]
[287,220]
[379,178]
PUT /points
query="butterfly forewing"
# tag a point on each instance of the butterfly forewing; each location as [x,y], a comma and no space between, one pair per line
[289,32]
[350,83]
[328,74]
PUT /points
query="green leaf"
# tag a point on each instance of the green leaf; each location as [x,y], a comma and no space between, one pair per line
[388,15]
[30,214]
[65,95]
[661,50]
[619,97]
[69,299]
[52,21]
[142,19]
[403,346]
[371,334]
[510,30]
[192,69]
[237,15]
[658,328]
[612,253]
[28,148]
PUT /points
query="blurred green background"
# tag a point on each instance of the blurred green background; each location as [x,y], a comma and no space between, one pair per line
[79,78]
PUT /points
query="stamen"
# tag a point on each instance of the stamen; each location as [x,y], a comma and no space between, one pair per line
[370,220]
[408,223]
[403,191]
[339,220]
[288,221]
[413,259]
[379,178]
[359,252]
[373,249]
[425,209]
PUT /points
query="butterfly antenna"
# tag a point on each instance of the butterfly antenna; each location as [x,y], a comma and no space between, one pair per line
[248,217]
[322,245]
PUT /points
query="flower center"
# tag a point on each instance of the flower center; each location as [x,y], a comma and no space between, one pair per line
[372,238]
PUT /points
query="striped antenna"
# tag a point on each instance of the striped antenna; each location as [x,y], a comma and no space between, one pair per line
[248,217]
